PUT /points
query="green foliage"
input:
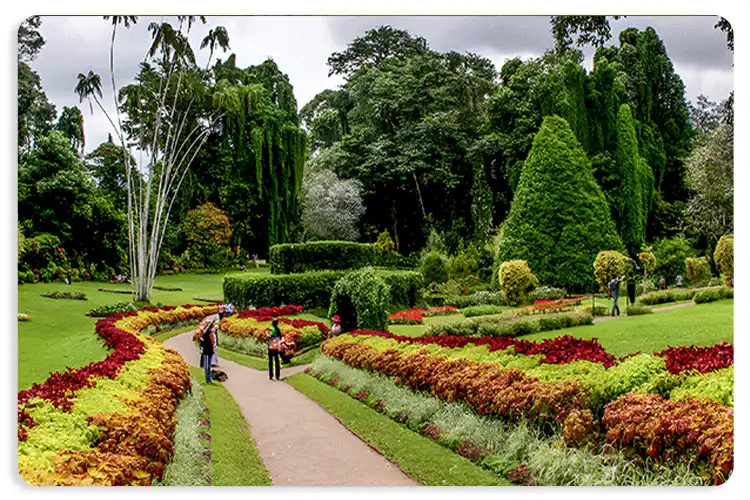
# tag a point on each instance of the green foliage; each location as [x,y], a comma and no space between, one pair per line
[545,292]
[65,295]
[312,289]
[724,257]
[636,310]
[107,310]
[483,310]
[609,265]
[404,287]
[385,244]
[648,261]
[517,281]
[504,327]
[628,193]
[310,335]
[717,385]
[559,220]
[479,298]
[698,269]
[320,255]
[670,256]
[713,294]
[360,298]
[207,232]
[434,268]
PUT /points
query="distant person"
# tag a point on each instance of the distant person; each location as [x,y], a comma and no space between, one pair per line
[662,283]
[222,311]
[274,344]
[614,291]
[229,311]
[631,289]
[678,280]
[336,327]
[243,267]
[207,352]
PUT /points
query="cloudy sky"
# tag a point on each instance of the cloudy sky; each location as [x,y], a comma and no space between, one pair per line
[301,46]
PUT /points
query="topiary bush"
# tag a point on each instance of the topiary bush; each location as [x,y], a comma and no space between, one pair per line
[610,265]
[724,258]
[265,290]
[698,269]
[434,268]
[360,298]
[559,219]
[517,281]
[385,243]
[648,261]
[547,293]
[319,256]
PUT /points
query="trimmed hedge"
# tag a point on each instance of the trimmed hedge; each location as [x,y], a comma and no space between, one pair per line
[311,289]
[679,294]
[499,327]
[320,255]
[332,256]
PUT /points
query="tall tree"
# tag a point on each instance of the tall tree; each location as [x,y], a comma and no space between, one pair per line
[70,124]
[559,220]
[30,41]
[588,30]
[373,48]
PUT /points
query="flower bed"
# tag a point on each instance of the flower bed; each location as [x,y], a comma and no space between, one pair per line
[110,422]
[559,387]
[415,316]
[268,313]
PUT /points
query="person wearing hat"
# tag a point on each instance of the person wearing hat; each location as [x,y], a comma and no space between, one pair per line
[336,327]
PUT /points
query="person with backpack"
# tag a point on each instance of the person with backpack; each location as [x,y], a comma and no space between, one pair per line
[274,345]
[614,291]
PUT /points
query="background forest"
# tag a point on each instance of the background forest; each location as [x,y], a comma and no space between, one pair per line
[431,148]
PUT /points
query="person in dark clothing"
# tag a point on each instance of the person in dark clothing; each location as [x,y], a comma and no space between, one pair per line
[631,289]
[614,290]
[273,350]
[207,352]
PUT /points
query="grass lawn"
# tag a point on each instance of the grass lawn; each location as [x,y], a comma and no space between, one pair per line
[702,325]
[426,461]
[234,458]
[59,334]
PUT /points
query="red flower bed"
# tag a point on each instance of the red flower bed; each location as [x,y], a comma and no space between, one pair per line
[669,430]
[415,316]
[560,350]
[701,359]
[268,313]
[301,323]
[569,300]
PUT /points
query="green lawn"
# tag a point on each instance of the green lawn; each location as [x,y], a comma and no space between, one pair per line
[426,461]
[234,458]
[702,325]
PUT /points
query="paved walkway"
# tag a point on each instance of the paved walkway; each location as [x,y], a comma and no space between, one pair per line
[298,441]
[600,319]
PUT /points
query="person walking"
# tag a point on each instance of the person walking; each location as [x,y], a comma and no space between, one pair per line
[631,289]
[662,283]
[678,280]
[614,290]
[274,344]
[207,352]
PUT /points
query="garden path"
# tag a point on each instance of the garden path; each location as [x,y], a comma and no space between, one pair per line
[298,441]
[600,319]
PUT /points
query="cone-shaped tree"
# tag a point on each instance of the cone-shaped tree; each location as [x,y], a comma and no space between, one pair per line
[628,196]
[559,220]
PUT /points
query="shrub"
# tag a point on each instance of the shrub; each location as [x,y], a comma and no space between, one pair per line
[547,293]
[385,244]
[360,298]
[648,261]
[65,295]
[707,296]
[265,290]
[517,280]
[404,287]
[559,219]
[207,232]
[670,255]
[724,257]
[609,265]
[509,327]
[636,310]
[698,269]
[320,255]
[480,298]
[310,335]
[434,268]
[663,296]
[482,310]
[120,307]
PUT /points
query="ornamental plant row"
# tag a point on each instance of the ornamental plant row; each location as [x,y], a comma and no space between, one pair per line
[109,422]
[511,394]
[415,316]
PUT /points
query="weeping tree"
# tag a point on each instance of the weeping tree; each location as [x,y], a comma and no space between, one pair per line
[158,118]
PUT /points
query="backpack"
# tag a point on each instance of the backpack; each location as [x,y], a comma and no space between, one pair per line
[219,375]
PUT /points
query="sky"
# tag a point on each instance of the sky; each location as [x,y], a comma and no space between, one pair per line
[301,45]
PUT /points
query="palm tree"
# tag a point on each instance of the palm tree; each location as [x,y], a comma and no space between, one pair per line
[218,36]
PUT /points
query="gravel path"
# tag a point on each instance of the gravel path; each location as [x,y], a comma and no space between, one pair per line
[298,441]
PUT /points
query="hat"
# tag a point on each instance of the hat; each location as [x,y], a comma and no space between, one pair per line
[336,319]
